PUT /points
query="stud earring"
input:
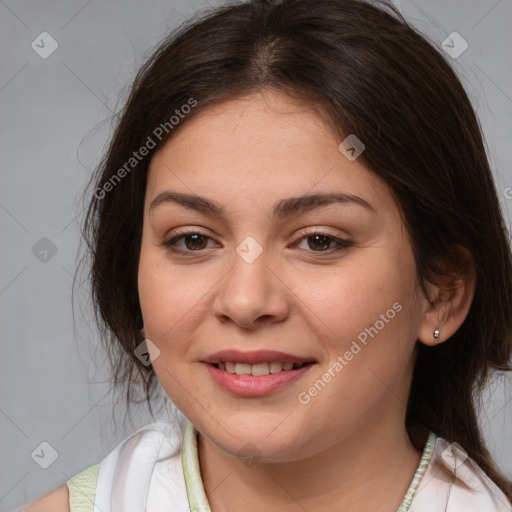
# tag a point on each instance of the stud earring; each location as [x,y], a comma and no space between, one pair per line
[437,334]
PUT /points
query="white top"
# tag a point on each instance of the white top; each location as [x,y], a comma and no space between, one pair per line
[156,469]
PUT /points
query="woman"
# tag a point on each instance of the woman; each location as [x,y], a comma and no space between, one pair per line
[295,231]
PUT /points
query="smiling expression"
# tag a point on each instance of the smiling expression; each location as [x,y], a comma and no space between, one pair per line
[259,234]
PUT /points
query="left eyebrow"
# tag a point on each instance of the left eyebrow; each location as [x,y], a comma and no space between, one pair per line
[284,208]
[301,204]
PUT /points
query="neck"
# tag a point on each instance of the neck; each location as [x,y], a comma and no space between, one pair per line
[373,466]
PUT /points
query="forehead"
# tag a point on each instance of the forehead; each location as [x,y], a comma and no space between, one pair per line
[261,147]
[266,124]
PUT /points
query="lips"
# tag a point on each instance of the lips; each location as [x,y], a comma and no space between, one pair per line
[255,386]
[255,357]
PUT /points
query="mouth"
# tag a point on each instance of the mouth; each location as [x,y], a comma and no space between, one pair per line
[260,369]
[259,379]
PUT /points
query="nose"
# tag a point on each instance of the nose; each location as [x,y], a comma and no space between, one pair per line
[251,295]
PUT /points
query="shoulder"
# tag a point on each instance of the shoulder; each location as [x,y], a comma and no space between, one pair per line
[53,501]
[148,457]
[76,494]
[454,479]
[144,471]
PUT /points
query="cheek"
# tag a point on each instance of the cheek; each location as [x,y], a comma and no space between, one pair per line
[371,299]
[364,318]
[151,293]
[169,298]
[171,305]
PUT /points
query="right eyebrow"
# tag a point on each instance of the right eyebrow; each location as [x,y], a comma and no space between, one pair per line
[188,201]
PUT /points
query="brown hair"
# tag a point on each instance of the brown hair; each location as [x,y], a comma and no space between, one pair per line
[372,75]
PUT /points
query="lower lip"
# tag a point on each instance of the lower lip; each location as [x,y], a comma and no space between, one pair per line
[247,385]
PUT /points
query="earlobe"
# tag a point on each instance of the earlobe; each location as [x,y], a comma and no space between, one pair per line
[454,296]
[435,338]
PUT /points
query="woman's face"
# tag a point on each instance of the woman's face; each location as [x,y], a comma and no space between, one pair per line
[284,245]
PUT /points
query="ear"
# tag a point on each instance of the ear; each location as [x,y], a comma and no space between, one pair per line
[452,297]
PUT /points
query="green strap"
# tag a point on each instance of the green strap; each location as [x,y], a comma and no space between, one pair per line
[420,472]
[193,481]
[82,490]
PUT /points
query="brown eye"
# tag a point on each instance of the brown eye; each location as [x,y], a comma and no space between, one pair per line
[319,242]
[188,242]
[195,242]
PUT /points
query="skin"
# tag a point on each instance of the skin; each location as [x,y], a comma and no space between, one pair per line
[56,500]
[348,446]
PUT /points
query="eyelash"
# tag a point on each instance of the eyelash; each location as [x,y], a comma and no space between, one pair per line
[170,244]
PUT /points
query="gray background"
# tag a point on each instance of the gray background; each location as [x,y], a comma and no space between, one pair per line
[55,120]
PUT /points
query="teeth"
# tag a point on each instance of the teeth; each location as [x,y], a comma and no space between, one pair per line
[243,369]
[276,367]
[256,370]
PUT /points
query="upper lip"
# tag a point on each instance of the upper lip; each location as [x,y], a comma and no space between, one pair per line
[254,357]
